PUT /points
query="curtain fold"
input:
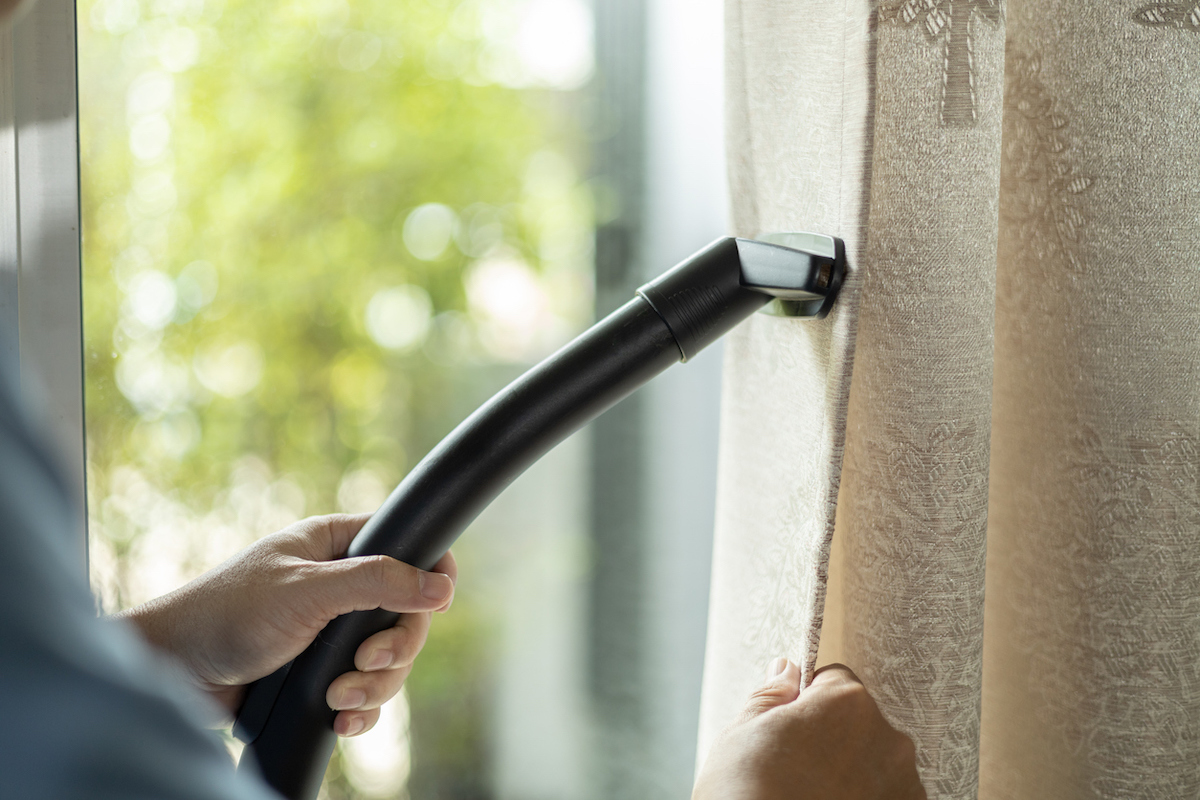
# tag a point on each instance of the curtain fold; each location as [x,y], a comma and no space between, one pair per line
[1019,191]
[1092,654]
[798,166]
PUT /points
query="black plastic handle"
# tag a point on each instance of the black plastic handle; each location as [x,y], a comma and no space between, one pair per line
[284,720]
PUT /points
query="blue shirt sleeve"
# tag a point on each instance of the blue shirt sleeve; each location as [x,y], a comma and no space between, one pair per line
[87,710]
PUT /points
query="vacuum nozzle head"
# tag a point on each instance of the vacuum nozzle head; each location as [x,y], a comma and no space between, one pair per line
[797,292]
[702,298]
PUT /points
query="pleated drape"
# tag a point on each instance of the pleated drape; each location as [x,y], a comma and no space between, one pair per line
[1019,189]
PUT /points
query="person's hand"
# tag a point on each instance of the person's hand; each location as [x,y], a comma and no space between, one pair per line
[260,609]
[828,741]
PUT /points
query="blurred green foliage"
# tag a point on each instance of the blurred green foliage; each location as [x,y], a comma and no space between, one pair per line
[250,170]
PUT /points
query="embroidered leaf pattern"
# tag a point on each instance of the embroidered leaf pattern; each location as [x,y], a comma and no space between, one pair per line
[1121,551]
[922,487]
[1184,15]
[1038,169]
[952,21]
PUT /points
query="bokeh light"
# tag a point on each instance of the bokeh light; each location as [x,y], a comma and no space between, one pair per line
[378,761]
[229,370]
[429,229]
[398,317]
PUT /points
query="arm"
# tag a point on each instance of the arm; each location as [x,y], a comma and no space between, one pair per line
[92,713]
[826,741]
[260,609]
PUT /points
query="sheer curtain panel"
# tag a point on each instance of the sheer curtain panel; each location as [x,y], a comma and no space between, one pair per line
[1018,185]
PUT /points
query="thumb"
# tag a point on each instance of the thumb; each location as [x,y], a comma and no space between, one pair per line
[367,582]
[782,686]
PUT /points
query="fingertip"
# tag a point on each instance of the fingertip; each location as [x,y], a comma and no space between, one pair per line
[834,673]
[345,696]
[448,566]
[777,667]
[783,671]
[782,686]
[349,724]
[787,673]
[381,658]
[436,586]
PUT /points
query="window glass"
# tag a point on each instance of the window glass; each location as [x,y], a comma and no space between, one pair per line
[316,234]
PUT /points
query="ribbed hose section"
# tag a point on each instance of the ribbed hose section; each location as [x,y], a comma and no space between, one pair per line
[695,306]
[701,299]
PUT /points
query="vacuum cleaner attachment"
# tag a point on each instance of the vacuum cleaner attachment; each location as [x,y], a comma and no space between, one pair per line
[284,720]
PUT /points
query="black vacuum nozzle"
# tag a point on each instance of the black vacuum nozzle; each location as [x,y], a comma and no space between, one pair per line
[705,296]
[284,720]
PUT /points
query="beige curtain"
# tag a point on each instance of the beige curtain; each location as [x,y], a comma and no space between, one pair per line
[1018,186]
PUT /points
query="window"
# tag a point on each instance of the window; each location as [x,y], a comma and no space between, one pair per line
[307,254]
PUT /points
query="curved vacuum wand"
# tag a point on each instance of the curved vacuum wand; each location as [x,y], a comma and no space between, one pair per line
[285,722]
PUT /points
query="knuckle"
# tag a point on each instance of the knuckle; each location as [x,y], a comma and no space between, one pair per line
[375,686]
[300,577]
[310,527]
[402,642]
[375,569]
[383,686]
[767,694]
[378,563]
[762,700]
[408,646]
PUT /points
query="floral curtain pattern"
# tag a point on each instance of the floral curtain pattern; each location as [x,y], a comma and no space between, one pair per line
[1014,400]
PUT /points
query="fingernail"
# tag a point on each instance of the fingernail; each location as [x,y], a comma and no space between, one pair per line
[435,586]
[355,727]
[380,659]
[351,698]
[776,668]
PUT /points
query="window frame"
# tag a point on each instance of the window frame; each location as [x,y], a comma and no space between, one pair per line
[41,319]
